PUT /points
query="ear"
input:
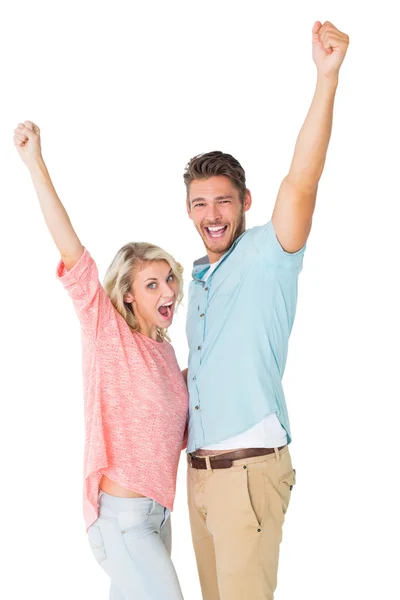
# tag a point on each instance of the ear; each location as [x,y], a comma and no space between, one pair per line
[247,201]
[189,210]
[129,298]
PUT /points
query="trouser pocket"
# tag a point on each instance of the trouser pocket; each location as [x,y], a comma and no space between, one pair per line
[97,543]
[286,484]
[254,479]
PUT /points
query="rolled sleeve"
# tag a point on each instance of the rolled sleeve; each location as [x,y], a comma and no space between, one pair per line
[265,239]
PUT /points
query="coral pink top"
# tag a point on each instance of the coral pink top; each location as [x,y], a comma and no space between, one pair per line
[136,399]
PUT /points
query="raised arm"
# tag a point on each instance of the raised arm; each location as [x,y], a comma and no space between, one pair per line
[27,142]
[295,203]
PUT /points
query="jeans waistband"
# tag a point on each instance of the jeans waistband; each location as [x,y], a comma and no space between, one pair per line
[121,508]
[117,504]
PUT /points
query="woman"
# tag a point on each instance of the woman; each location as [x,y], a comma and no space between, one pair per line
[135,395]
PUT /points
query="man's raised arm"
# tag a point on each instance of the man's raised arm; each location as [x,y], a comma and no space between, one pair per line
[295,203]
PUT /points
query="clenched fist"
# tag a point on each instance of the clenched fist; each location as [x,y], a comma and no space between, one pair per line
[329,48]
[27,141]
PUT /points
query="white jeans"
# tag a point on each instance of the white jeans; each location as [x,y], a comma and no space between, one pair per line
[131,540]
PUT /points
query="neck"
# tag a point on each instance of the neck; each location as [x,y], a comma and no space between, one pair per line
[149,330]
[213,258]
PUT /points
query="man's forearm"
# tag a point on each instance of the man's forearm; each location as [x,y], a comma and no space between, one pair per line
[313,140]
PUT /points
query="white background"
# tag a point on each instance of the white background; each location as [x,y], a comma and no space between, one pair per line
[125,93]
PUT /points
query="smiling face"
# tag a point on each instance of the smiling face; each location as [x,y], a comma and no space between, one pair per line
[153,296]
[217,212]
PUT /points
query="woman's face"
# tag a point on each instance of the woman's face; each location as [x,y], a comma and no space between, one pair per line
[153,296]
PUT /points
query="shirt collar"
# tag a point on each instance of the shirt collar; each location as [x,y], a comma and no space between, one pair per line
[201,265]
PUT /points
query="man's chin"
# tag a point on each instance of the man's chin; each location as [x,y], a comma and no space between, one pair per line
[216,246]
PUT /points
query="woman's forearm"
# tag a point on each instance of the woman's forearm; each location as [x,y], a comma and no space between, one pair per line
[55,215]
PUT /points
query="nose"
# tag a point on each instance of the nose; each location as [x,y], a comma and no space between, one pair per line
[213,212]
[168,291]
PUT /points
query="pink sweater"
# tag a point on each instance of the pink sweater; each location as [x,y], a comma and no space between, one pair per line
[136,399]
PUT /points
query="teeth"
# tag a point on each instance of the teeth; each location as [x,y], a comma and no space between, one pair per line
[216,228]
[168,303]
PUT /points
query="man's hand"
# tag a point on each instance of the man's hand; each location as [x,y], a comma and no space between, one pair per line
[27,142]
[329,47]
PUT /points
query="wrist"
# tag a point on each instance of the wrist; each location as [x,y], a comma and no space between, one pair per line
[37,169]
[328,80]
[35,163]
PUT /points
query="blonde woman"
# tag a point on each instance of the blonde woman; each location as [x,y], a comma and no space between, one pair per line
[135,395]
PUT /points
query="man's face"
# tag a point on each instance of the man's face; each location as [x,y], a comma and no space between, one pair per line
[217,213]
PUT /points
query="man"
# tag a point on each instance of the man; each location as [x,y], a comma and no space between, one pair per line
[242,305]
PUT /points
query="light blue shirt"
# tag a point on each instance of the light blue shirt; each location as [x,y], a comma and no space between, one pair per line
[238,327]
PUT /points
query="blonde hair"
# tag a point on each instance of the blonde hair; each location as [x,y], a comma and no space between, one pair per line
[120,274]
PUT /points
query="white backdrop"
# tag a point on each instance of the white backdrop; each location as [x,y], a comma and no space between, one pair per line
[125,93]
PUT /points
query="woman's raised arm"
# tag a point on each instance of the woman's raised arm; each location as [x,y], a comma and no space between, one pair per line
[27,142]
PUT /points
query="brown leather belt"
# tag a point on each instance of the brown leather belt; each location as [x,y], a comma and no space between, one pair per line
[224,461]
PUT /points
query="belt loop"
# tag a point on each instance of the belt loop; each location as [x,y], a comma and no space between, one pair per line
[277,454]
[208,463]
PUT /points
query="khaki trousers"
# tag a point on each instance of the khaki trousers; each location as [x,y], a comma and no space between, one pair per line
[236,518]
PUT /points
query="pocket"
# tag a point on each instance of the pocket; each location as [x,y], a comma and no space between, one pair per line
[138,522]
[255,492]
[286,484]
[96,543]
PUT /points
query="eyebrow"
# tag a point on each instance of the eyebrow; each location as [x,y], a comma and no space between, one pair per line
[216,198]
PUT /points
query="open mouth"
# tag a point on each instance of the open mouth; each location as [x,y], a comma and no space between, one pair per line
[166,310]
[216,232]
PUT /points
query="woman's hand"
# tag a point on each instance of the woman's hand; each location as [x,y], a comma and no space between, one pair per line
[27,142]
[329,47]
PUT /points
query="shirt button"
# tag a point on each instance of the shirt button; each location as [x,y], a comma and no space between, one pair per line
[202,315]
[196,407]
[198,347]
[206,289]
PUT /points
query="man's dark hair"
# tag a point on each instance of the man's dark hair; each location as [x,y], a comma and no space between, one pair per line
[211,164]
